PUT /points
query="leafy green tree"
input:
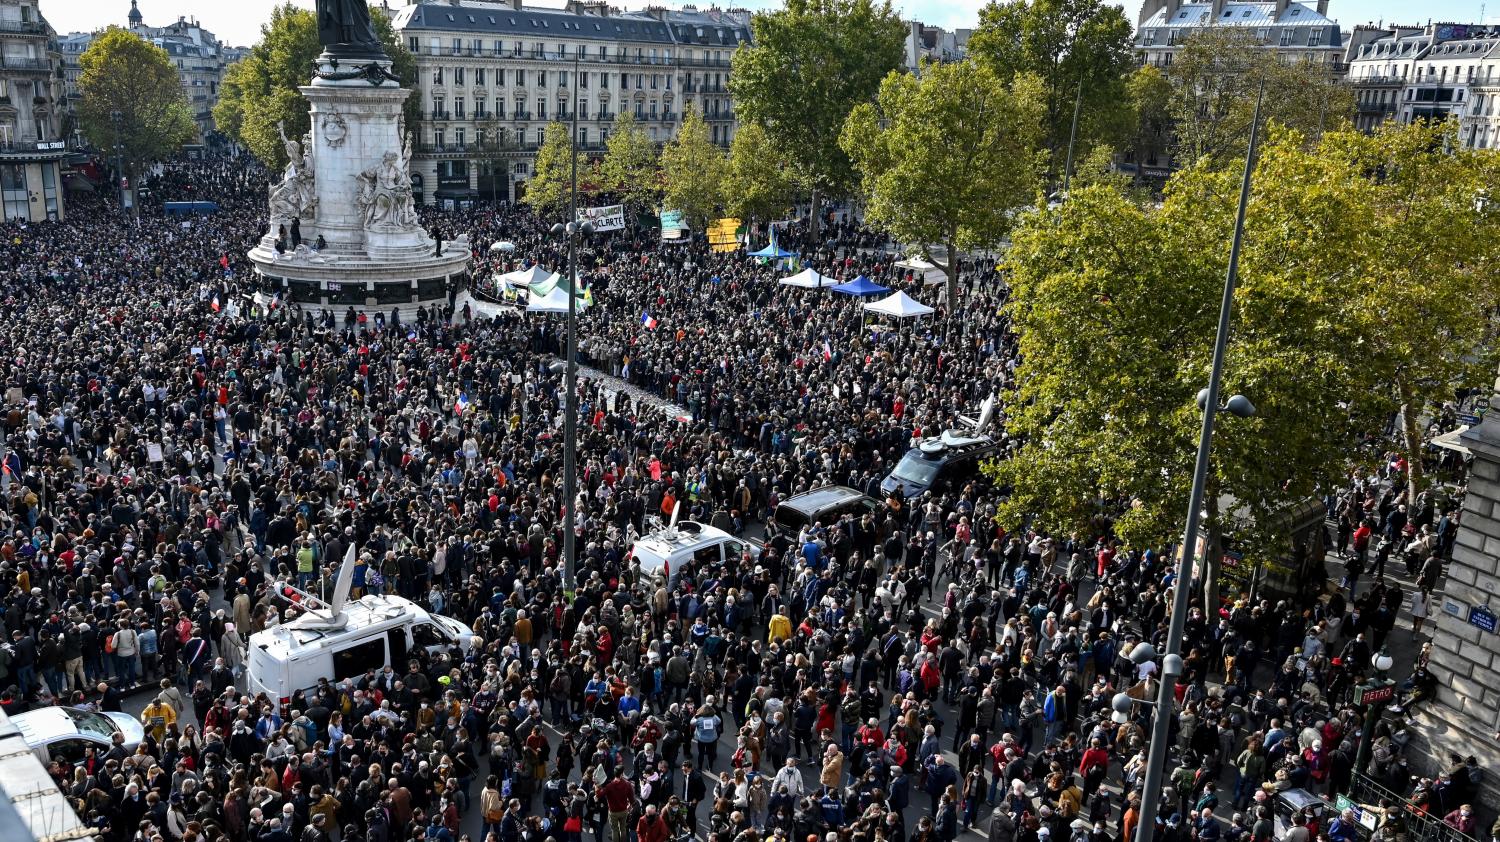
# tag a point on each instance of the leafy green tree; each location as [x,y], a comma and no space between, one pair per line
[1422,267]
[1115,305]
[947,158]
[756,186]
[1067,44]
[631,165]
[548,191]
[1150,95]
[693,170]
[809,65]
[261,89]
[126,76]
[1215,79]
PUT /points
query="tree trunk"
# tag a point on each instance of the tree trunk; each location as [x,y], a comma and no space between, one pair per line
[1213,541]
[950,272]
[1411,424]
[812,225]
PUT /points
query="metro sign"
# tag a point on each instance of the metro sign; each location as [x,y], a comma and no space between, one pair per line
[1373,695]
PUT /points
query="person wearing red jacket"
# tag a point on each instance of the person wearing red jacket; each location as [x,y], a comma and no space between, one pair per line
[650,827]
[1093,766]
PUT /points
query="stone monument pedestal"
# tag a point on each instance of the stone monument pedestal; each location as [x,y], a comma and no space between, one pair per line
[1466,651]
[351,186]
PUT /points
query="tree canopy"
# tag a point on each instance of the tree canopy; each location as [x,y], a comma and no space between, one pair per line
[631,168]
[810,63]
[756,185]
[126,75]
[693,170]
[548,190]
[1215,80]
[261,89]
[1066,44]
[947,158]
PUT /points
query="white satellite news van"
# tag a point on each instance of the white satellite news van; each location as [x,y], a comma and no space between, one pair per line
[338,639]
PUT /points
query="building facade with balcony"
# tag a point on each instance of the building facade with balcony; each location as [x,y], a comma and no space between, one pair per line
[1295,31]
[492,75]
[32,144]
[196,53]
[1380,61]
[1437,72]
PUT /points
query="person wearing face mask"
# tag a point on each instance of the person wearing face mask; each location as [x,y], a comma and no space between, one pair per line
[1461,820]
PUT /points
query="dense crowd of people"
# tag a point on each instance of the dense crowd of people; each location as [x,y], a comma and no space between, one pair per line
[174,451]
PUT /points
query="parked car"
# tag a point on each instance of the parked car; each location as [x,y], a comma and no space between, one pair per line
[64,734]
[663,551]
[822,505]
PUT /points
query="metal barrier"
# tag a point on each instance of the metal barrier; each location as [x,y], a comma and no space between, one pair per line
[1419,826]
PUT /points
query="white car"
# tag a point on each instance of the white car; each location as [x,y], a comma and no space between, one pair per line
[63,734]
[664,551]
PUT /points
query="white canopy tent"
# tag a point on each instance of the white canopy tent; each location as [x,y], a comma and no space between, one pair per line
[527,277]
[555,301]
[808,279]
[899,306]
[928,272]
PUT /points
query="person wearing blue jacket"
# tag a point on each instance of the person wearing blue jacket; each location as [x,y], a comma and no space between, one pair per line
[940,776]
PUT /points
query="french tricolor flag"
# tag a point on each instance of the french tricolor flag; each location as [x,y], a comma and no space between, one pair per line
[827,352]
[462,404]
[648,321]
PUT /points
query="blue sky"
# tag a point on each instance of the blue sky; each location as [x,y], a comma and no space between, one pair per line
[238,22]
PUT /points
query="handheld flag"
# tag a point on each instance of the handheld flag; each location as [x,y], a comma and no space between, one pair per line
[462,404]
[648,321]
[215,303]
[827,352]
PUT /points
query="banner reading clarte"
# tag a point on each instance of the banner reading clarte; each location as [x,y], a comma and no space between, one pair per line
[607,218]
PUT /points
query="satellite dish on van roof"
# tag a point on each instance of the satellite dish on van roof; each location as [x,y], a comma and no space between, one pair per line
[342,584]
[329,615]
[986,414]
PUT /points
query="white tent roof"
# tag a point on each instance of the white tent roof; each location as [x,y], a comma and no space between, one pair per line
[808,279]
[899,305]
[916,264]
[555,301]
[527,277]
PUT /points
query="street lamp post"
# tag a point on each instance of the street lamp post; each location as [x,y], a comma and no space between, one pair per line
[570,405]
[1208,400]
[1374,696]
[1072,136]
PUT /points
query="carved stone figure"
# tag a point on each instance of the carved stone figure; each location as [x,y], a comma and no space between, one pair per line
[295,196]
[385,196]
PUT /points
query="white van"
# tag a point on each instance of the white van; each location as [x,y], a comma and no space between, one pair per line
[341,639]
[665,550]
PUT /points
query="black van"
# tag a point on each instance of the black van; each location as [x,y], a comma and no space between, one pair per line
[822,505]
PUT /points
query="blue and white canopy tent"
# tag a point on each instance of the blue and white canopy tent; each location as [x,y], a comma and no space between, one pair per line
[773,251]
[860,286]
[809,279]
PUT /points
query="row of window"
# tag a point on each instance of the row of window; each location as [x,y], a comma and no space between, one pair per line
[1263,34]
[460,136]
[711,107]
[1164,59]
[499,47]
[642,81]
